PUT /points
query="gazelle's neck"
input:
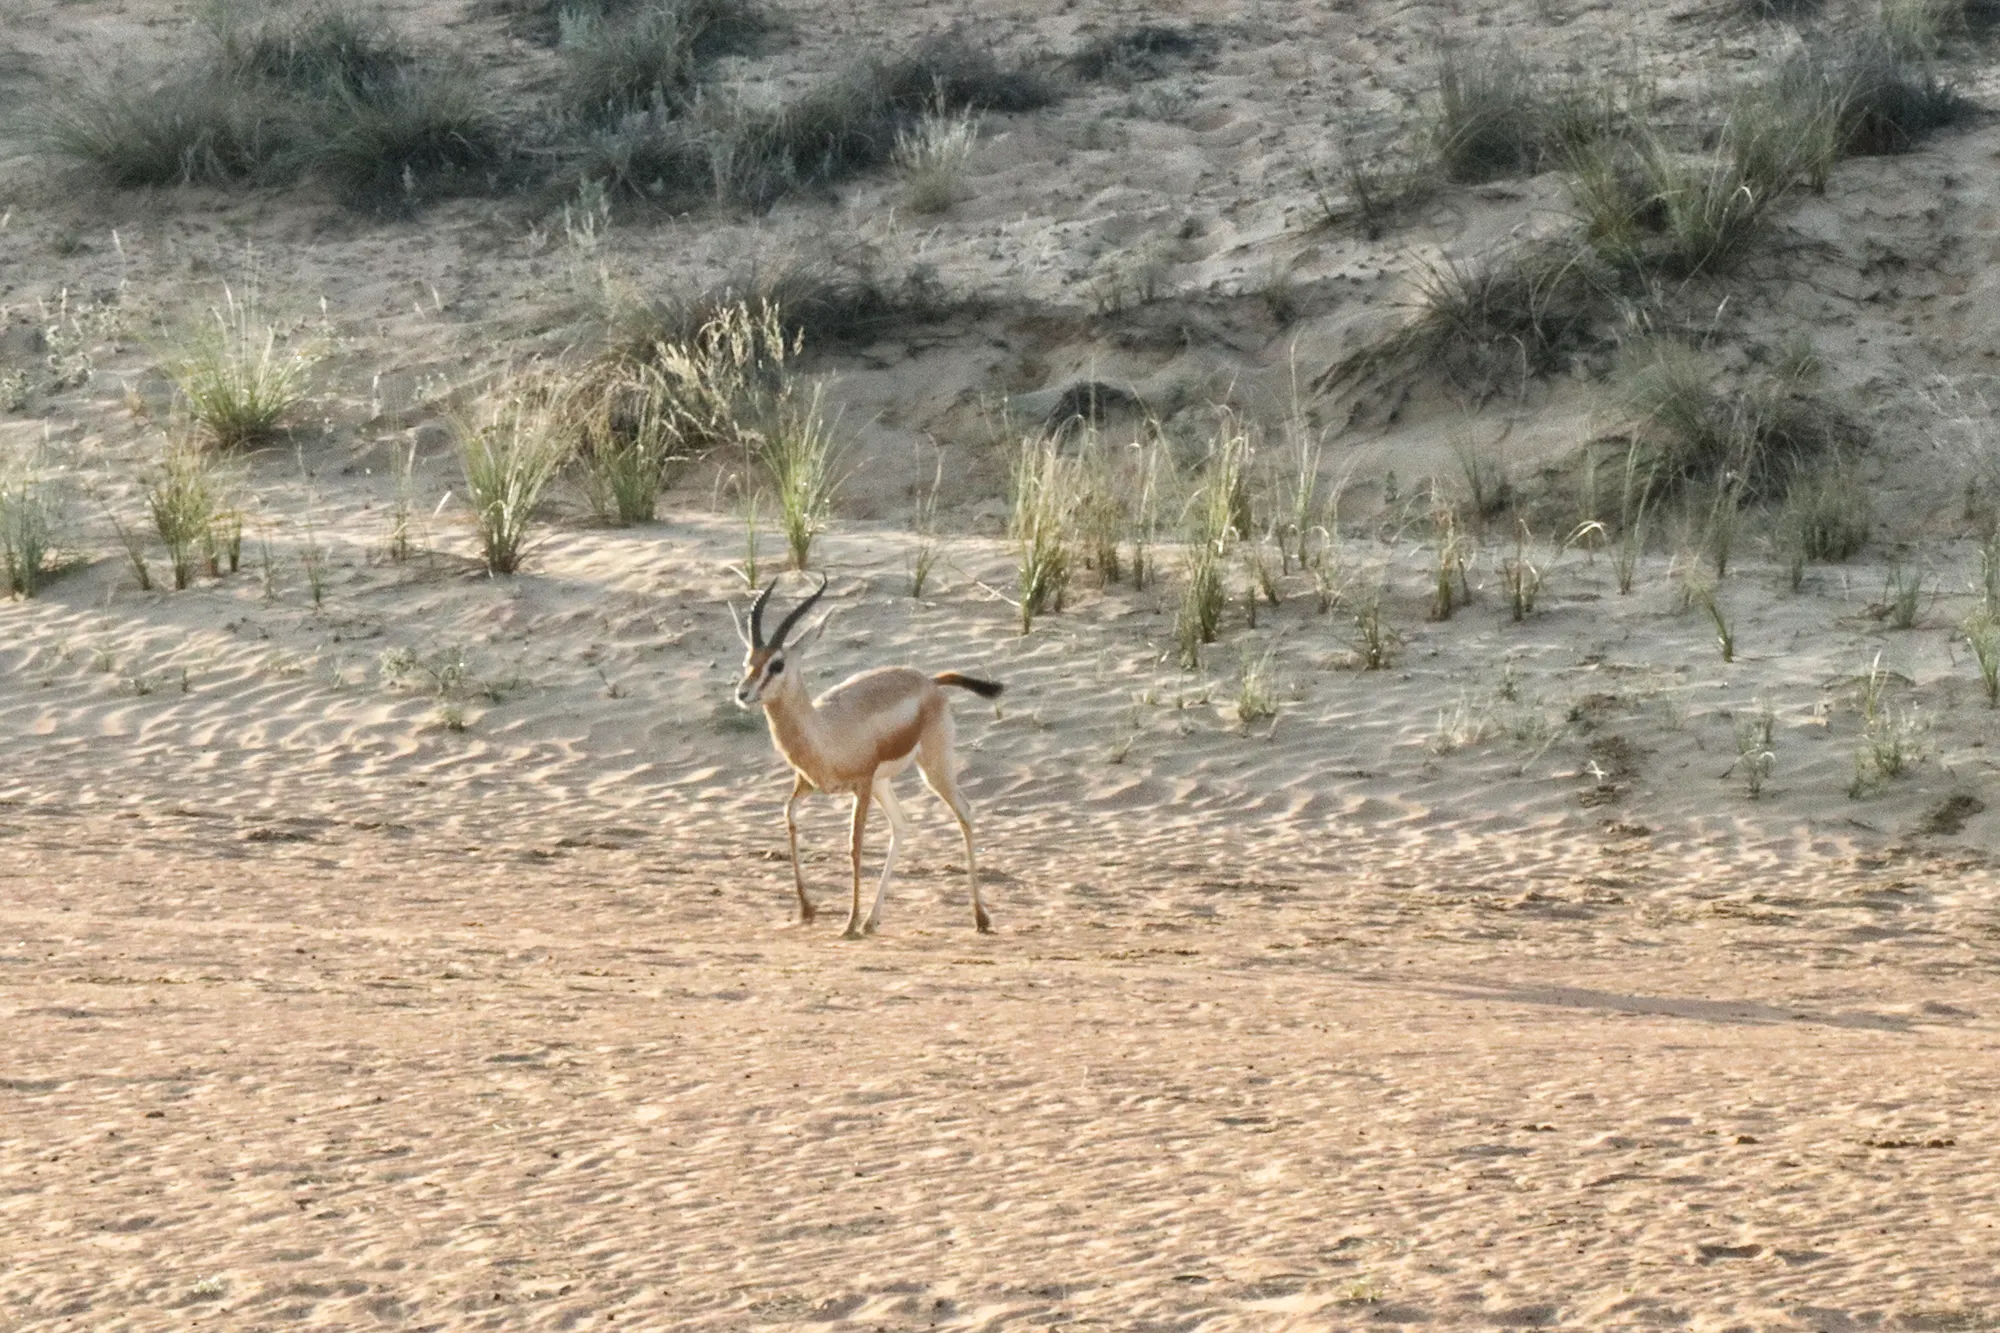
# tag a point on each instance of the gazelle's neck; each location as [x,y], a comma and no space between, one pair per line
[795,726]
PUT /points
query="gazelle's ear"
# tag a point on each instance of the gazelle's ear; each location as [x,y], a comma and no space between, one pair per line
[811,636]
[736,623]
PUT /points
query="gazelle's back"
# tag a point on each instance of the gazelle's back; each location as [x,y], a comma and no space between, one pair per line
[887,708]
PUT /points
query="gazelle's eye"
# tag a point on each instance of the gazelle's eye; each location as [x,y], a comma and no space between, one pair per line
[777,666]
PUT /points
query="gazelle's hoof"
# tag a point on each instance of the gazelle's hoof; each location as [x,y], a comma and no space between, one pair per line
[853,931]
[868,926]
[983,922]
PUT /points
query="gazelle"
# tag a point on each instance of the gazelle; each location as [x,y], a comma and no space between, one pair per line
[855,739]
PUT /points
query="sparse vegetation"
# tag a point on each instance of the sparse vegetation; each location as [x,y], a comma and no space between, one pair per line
[508,464]
[929,546]
[239,383]
[32,508]
[1826,517]
[1982,635]
[1756,749]
[1494,322]
[1497,115]
[1044,501]
[624,427]
[850,122]
[1520,575]
[1256,687]
[1376,640]
[801,458]
[182,499]
[1218,515]
[1903,595]
[931,155]
[1690,429]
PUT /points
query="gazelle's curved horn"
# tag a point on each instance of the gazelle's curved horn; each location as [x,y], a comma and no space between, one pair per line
[791,619]
[757,616]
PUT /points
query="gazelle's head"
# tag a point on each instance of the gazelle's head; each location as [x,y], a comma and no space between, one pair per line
[766,661]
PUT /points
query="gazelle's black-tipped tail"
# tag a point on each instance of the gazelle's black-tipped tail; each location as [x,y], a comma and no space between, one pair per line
[985,689]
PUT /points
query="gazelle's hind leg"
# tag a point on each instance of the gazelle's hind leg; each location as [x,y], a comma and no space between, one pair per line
[885,795]
[934,760]
[853,931]
[799,788]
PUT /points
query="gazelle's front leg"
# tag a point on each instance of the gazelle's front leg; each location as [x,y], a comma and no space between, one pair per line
[799,788]
[853,931]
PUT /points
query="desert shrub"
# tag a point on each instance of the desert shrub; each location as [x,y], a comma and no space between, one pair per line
[1488,120]
[508,464]
[31,521]
[849,123]
[823,304]
[200,130]
[1690,429]
[653,154]
[316,53]
[610,68]
[183,498]
[1127,55]
[423,133]
[1494,321]
[1043,496]
[721,25]
[237,382]
[1497,115]
[1889,100]
[625,430]
[931,155]
[802,459]
[1826,515]
[1649,209]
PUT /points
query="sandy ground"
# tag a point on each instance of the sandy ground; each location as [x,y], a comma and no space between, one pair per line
[1481,991]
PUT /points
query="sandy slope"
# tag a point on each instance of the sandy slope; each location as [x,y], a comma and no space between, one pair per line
[1476,992]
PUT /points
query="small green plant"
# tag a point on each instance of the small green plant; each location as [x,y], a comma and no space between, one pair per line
[313,560]
[1725,634]
[1903,595]
[803,463]
[1256,687]
[1982,635]
[1756,749]
[181,497]
[238,383]
[932,154]
[1320,552]
[1826,517]
[1892,743]
[1203,597]
[929,546]
[31,519]
[1044,503]
[1376,642]
[1487,482]
[625,431]
[1521,576]
[1632,515]
[403,501]
[508,464]
[1452,552]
